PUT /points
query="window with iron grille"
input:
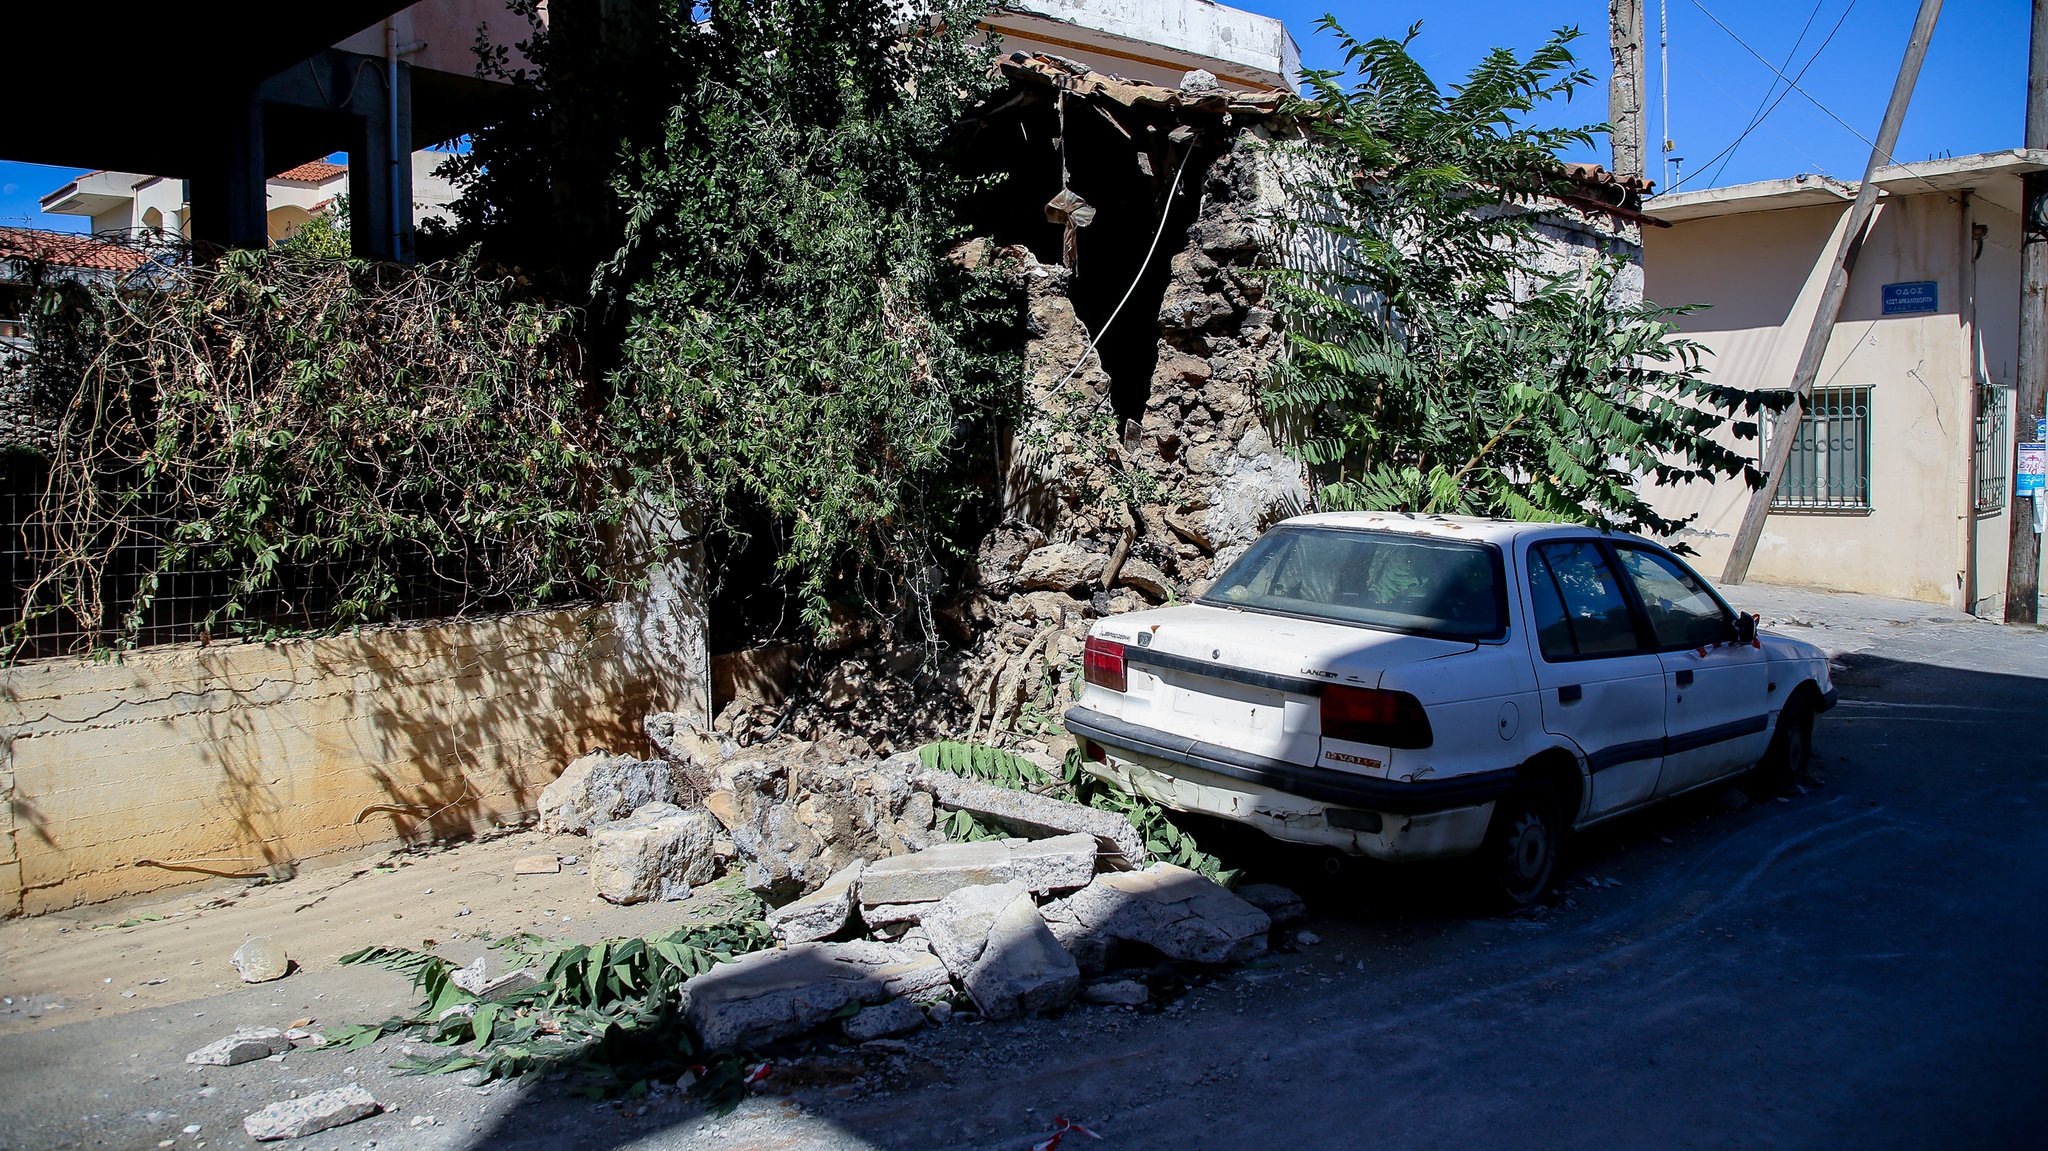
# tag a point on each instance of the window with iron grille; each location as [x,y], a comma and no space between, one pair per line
[1992,452]
[1829,469]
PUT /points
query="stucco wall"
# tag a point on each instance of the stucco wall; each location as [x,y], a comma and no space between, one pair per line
[254,758]
[1754,269]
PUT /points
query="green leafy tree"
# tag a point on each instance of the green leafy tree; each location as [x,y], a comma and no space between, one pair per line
[789,349]
[1430,368]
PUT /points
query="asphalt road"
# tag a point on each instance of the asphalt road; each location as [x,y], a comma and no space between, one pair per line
[1862,965]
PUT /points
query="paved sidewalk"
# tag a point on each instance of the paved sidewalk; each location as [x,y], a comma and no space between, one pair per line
[1841,623]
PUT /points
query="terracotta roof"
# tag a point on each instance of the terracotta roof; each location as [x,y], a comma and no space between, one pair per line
[1597,175]
[312,172]
[68,250]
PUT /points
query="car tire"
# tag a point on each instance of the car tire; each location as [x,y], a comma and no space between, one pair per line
[1784,761]
[1518,860]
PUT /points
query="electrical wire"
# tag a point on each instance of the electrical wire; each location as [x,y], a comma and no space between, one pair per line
[1871,144]
[1757,121]
[1164,216]
[1764,105]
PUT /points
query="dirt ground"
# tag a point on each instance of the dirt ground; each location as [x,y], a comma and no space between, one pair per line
[101,961]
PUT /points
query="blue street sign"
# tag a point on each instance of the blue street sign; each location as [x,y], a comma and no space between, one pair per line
[1906,299]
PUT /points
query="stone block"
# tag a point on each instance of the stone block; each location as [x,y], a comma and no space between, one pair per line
[600,788]
[1057,864]
[1116,993]
[310,1114]
[261,959]
[994,942]
[821,914]
[246,1045]
[1170,909]
[1059,567]
[659,852]
[1281,905]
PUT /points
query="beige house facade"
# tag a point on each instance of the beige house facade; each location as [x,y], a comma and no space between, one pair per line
[1900,480]
[130,203]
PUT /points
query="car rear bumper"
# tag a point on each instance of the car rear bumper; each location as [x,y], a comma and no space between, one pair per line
[1366,815]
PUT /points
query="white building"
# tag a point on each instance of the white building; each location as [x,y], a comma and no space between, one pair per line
[125,203]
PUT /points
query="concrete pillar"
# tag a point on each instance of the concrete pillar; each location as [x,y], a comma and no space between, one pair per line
[229,193]
[380,175]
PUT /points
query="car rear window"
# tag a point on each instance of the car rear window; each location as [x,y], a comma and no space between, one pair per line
[1387,580]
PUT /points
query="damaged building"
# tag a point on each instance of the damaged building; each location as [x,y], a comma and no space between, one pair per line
[1138,222]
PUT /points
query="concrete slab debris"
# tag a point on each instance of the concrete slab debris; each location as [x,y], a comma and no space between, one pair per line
[537,865]
[297,1118]
[476,980]
[821,914]
[658,852]
[1056,864]
[771,995]
[993,939]
[246,1045]
[1034,814]
[896,1017]
[1170,909]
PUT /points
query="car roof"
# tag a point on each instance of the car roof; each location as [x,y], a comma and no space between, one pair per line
[1446,527]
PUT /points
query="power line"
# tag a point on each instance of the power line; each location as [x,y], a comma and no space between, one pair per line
[1894,160]
[1762,109]
[1757,120]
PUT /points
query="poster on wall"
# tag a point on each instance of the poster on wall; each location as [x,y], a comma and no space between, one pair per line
[2033,469]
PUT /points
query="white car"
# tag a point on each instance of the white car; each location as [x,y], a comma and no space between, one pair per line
[1409,687]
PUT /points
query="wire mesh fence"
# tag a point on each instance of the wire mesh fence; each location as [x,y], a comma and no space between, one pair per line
[139,603]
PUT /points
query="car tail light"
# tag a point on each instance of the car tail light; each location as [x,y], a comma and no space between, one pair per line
[1093,752]
[1370,715]
[1102,663]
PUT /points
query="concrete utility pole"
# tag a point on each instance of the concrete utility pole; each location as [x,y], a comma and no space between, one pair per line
[2023,567]
[1785,428]
[1625,88]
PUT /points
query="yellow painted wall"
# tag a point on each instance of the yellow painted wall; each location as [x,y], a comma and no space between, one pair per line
[256,757]
[1751,268]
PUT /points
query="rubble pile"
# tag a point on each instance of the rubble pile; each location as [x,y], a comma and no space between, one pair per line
[881,922]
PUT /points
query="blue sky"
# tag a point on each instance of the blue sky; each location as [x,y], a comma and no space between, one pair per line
[1970,97]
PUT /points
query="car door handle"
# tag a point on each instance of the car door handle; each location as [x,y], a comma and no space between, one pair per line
[1570,693]
[1685,678]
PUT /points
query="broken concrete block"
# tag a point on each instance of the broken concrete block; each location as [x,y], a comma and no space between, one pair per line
[769,995]
[297,1118]
[1168,908]
[1119,842]
[261,959]
[958,925]
[659,852]
[246,1045]
[1116,993]
[476,980]
[891,919]
[821,914]
[1282,906]
[1056,864]
[797,825]
[1093,952]
[993,940]
[896,1017]
[1059,567]
[547,864]
[600,788]
[1149,580]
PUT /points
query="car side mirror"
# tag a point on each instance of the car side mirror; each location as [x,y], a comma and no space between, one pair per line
[1745,628]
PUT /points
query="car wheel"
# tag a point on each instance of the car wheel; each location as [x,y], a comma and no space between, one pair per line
[1784,762]
[1520,855]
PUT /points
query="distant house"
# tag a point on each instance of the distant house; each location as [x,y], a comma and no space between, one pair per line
[125,203]
[1899,479]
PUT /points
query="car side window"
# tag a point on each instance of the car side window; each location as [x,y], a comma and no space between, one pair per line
[1587,595]
[1683,613]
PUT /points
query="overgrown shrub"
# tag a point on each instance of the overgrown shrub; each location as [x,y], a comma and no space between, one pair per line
[323,440]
